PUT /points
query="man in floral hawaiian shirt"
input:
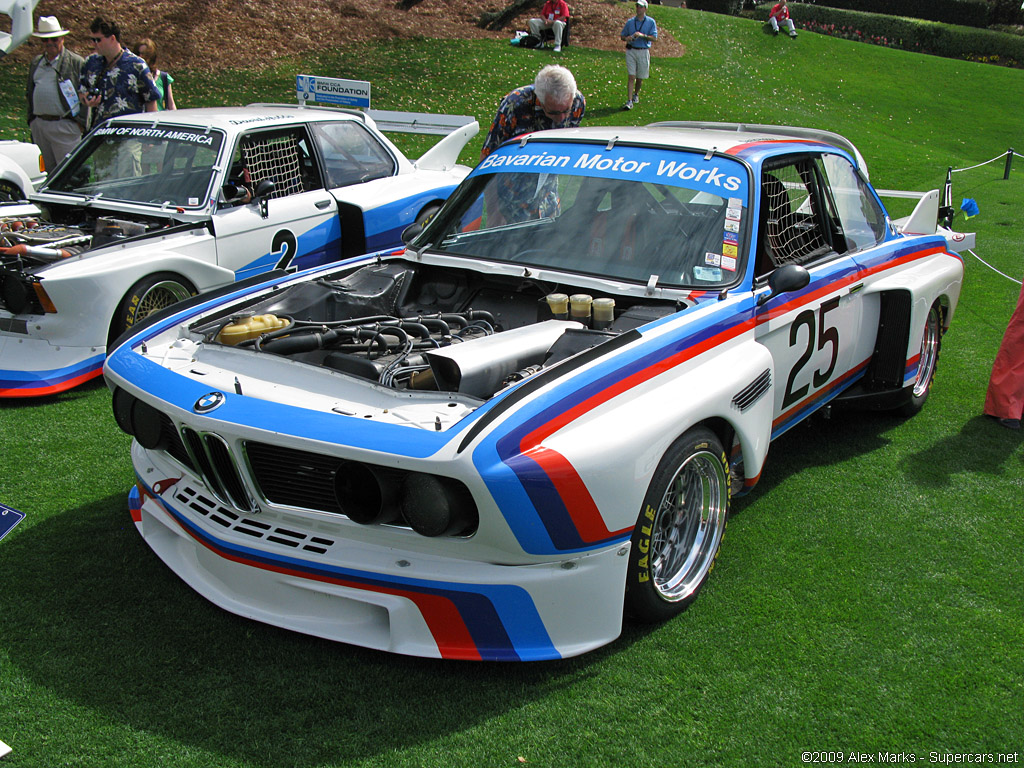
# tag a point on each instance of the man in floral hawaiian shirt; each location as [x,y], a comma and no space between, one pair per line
[551,102]
[114,80]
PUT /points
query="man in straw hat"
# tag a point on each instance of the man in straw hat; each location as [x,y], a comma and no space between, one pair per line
[55,116]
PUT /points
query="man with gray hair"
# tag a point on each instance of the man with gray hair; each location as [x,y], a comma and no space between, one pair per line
[551,102]
[55,117]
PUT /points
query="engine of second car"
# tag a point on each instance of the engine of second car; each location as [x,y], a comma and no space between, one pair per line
[416,327]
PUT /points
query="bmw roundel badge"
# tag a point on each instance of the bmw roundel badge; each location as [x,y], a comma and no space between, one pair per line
[209,402]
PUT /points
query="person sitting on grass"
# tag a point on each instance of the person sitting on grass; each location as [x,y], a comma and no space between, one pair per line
[780,12]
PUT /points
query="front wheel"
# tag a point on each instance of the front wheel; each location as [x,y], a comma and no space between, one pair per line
[149,295]
[10,192]
[680,528]
[931,343]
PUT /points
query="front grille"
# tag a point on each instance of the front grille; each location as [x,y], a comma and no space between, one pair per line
[294,478]
[212,458]
[171,441]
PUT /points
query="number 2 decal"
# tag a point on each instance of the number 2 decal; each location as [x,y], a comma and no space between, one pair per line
[284,241]
[825,335]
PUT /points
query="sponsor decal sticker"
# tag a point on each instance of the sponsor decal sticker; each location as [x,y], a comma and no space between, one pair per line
[708,274]
[729,263]
[712,259]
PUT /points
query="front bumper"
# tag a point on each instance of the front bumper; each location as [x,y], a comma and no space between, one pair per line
[371,595]
[32,367]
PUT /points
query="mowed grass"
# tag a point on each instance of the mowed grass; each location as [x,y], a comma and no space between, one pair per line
[869,596]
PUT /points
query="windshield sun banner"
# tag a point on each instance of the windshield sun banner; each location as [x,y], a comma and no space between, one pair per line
[717,175]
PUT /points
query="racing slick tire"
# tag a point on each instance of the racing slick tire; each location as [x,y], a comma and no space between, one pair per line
[680,527]
[149,295]
[10,192]
[427,214]
[931,343]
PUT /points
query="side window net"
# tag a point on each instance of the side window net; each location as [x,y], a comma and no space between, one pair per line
[791,231]
[274,157]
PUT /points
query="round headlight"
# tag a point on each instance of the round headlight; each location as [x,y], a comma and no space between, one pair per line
[437,506]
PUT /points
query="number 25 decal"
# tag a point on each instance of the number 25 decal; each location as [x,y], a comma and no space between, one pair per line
[826,335]
[284,241]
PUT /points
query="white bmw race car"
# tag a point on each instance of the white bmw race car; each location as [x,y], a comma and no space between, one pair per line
[490,444]
[153,208]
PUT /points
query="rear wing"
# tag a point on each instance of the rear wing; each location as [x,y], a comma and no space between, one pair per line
[20,13]
[924,219]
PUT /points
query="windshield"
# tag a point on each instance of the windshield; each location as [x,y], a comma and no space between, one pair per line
[626,213]
[142,164]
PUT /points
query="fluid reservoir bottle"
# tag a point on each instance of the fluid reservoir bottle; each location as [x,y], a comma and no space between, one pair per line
[250,328]
[579,307]
[604,313]
[558,303]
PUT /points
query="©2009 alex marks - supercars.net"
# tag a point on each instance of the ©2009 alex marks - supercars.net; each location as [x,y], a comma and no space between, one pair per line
[494,442]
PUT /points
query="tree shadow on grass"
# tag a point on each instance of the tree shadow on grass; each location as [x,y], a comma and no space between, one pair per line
[91,613]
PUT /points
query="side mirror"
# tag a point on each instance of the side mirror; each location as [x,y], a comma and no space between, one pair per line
[789,277]
[264,190]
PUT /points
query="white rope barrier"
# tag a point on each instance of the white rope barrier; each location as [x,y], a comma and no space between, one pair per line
[971,168]
[1011,279]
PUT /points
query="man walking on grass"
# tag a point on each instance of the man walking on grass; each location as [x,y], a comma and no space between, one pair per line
[638,34]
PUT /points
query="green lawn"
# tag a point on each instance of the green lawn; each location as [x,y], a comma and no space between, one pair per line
[870,591]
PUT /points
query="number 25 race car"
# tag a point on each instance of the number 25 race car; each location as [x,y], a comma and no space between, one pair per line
[492,444]
[151,209]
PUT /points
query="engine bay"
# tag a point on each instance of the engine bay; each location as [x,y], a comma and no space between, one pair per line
[29,241]
[418,327]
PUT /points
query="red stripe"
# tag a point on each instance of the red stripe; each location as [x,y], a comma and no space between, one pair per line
[52,389]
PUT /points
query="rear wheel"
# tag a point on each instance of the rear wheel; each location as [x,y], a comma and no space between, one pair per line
[149,295]
[931,343]
[680,528]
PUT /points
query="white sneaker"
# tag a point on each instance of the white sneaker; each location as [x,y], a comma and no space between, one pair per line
[628,104]
[558,49]
[636,98]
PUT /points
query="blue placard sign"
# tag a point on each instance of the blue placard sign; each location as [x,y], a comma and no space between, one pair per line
[332,90]
[8,519]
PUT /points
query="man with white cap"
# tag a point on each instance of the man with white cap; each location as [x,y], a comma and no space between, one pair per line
[638,34]
[55,117]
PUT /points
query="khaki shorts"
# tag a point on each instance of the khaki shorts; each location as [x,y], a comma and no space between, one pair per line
[638,62]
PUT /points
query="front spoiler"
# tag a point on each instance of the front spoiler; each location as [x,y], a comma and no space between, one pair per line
[376,596]
[32,367]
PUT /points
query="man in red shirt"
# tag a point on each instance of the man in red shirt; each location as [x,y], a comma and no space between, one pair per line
[780,12]
[554,15]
